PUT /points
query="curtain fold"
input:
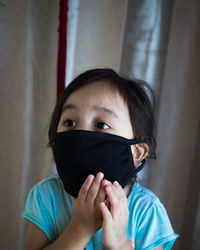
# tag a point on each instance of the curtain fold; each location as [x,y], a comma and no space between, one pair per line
[161,46]
[73,12]
[144,48]
[28,38]
[145,41]
[178,123]
[39,95]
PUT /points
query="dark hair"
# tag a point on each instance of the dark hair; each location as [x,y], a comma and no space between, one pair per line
[133,92]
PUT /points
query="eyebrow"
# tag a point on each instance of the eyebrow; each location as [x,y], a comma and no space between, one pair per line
[69,106]
[96,108]
[105,110]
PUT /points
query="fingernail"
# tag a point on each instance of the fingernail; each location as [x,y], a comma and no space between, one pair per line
[102,204]
[109,189]
[100,175]
[116,183]
[91,177]
[104,183]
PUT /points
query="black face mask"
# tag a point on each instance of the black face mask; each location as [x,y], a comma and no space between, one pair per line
[79,153]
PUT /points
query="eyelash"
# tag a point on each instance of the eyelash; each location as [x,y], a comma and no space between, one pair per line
[96,125]
[68,120]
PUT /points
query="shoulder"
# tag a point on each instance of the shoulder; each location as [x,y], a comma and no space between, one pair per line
[149,218]
[51,185]
[48,206]
[48,190]
[142,197]
[48,183]
[145,206]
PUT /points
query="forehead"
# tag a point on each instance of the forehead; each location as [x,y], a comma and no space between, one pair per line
[97,92]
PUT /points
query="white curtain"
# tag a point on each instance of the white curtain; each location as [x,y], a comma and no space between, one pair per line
[176,174]
[144,49]
[28,54]
[161,45]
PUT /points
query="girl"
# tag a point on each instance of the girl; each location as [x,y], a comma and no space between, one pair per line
[101,131]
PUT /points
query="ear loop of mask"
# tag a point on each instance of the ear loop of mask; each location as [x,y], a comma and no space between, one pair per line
[138,169]
[142,163]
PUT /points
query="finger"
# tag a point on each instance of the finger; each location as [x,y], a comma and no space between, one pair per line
[107,217]
[107,202]
[114,200]
[119,191]
[85,187]
[119,188]
[94,188]
[121,197]
[101,194]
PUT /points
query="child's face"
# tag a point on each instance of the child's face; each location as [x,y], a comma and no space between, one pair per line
[96,107]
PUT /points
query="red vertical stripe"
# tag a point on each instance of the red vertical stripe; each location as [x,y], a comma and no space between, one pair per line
[62,45]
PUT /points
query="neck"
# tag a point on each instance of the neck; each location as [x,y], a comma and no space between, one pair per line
[128,188]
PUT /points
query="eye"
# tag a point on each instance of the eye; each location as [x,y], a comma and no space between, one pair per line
[69,123]
[102,125]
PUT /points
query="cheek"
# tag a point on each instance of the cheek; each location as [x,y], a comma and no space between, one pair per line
[124,124]
[125,129]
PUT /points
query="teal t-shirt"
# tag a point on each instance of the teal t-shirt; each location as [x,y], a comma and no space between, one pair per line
[49,207]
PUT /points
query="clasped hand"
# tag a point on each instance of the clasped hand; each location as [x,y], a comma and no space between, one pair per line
[101,204]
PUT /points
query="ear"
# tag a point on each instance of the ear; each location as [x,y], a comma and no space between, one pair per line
[139,152]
